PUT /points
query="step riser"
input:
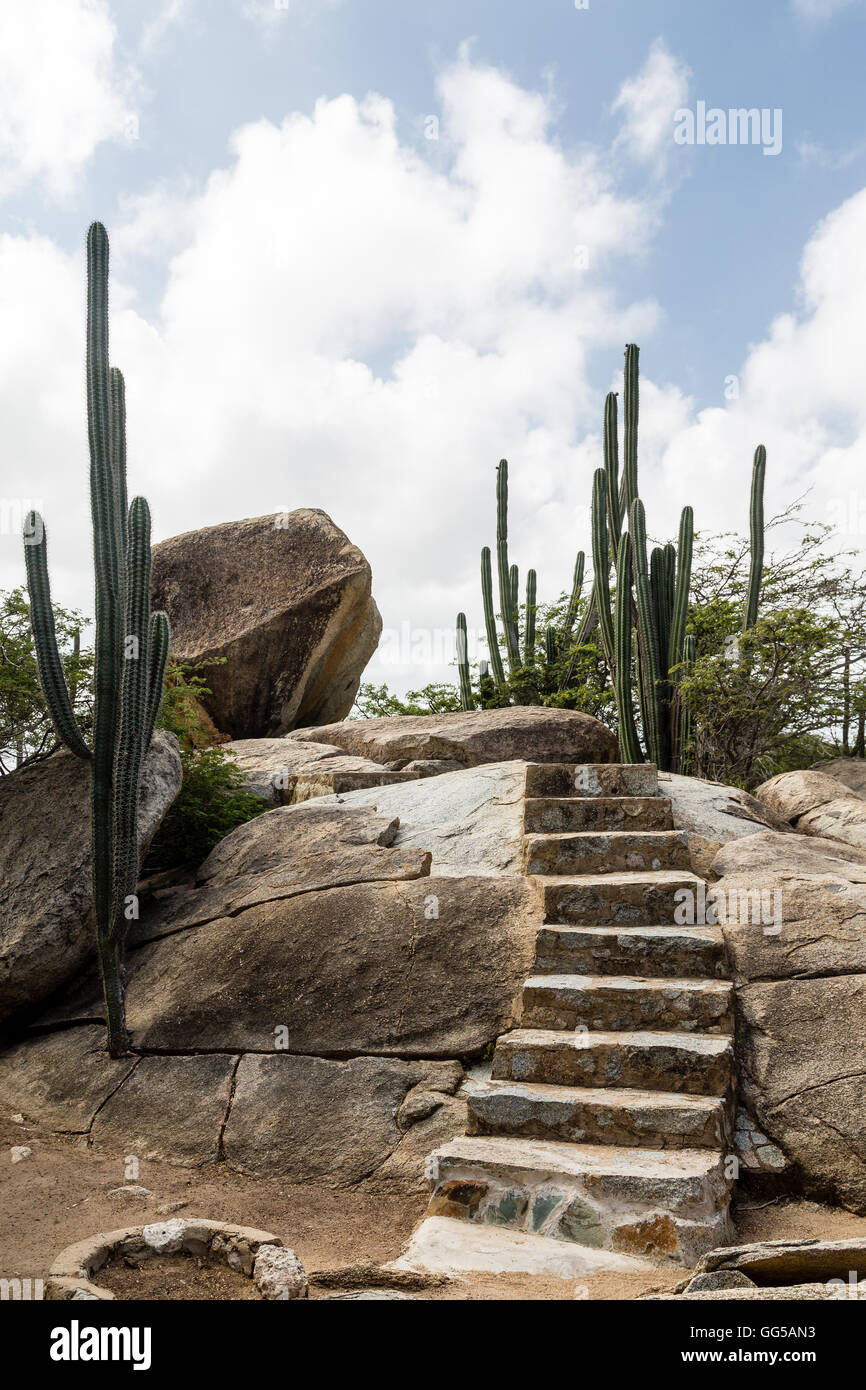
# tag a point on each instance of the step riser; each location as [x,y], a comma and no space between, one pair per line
[591,779]
[668,1218]
[598,904]
[558,815]
[596,1121]
[593,852]
[638,1066]
[636,1010]
[564,951]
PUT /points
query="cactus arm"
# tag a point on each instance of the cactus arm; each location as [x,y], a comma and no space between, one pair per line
[117,388]
[601,563]
[756,532]
[514,588]
[133,709]
[51,675]
[648,645]
[631,410]
[490,619]
[683,582]
[685,757]
[629,745]
[506,601]
[551,645]
[611,468]
[159,643]
[529,630]
[466,700]
[576,590]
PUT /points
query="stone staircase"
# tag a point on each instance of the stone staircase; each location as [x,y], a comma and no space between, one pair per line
[607,1120]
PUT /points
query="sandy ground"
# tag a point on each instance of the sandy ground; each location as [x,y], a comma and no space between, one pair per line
[60,1194]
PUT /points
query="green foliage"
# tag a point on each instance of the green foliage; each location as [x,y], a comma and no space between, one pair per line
[214,800]
[130,654]
[26,730]
[374,701]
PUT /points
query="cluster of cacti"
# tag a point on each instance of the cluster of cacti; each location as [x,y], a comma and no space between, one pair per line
[652,590]
[520,648]
[131,649]
[650,600]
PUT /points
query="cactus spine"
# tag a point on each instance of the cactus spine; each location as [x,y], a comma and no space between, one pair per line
[756,535]
[131,647]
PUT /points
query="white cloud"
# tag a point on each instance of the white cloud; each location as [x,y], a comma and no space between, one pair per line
[819,11]
[646,105]
[355,324]
[63,91]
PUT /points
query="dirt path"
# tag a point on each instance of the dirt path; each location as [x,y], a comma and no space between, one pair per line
[60,1194]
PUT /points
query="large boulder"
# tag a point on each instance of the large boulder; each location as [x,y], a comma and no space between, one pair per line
[532,733]
[712,814]
[793,794]
[46,912]
[817,804]
[851,772]
[302,1000]
[286,601]
[798,960]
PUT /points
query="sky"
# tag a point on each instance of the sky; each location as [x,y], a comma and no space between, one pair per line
[362,249]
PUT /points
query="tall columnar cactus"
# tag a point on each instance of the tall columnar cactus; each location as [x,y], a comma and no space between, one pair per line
[629,744]
[466,698]
[131,648]
[756,536]
[529,627]
[507,582]
[490,620]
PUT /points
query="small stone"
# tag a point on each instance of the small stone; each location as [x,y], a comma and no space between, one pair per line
[719,1279]
[279,1274]
[17,1119]
[130,1191]
[19,1153]
[367,1295]
[165,1237]
[166,1208]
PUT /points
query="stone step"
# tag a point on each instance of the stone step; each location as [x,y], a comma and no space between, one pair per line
[583,1115]
[670,952]
[553,815]
[685,1063]
[625,1004]
[443,1245]
[646,898]
[668,1203]
[591,779]
[605,852]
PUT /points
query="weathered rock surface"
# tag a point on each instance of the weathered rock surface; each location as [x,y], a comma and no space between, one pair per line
[522,732]
[774,1264]
[801,1002]
[471,821]
[61,1080]
[424,967]
[291,850]
[792,794]
[843,819]
[46,915]
[169,1108]
[851,772]
[308,1119]
[712,814]
[287,601]
[283,771]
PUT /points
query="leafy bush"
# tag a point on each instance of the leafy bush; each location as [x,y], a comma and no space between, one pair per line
[214,798]
[26,730]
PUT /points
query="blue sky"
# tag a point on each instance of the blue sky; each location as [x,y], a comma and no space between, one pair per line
[317,305]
